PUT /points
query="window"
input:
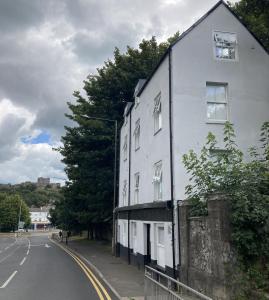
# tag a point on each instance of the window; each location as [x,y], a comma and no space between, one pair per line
[225,45]
[136,188]
[157,181]
[216,97]
[124,193]
[137,101]
[137,134]
[125,148]
[157,113]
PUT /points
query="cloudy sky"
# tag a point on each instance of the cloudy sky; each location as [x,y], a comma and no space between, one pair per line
[47,48]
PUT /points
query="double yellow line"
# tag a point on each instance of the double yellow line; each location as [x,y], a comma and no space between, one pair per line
[100,290]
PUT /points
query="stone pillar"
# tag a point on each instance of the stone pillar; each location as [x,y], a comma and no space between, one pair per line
[183,223]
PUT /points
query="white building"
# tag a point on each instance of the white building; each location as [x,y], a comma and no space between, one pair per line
[40,218]
[216,71]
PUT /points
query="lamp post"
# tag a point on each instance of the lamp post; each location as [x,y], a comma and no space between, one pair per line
[115,174]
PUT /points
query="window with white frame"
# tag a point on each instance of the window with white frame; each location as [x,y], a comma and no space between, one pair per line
[225,45]
[125,148]
[217,104]
[137,101]
[157,181]
[157,113]
[136,188]
[134,236]
[137,134]
[124,193]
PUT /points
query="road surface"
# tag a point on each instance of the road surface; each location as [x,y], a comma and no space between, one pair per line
[35,268]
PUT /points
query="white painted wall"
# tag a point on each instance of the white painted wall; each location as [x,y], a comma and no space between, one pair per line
[153,147]
[248,88]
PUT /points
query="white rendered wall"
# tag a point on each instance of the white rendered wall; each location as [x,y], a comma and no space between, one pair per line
[248,88]
[153,147]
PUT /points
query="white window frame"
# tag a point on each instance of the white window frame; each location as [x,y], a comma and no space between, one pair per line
[222,102]
[124,193]
[222,45]
[125,147]
[136,187]
[137,134]
[158,182]
[137,101]
[157,113]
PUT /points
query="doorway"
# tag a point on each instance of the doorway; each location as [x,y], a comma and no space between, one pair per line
[147,244]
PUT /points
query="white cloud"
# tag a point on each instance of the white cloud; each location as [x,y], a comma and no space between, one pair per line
[33,161]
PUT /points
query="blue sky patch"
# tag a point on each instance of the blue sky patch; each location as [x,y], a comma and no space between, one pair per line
[42,138]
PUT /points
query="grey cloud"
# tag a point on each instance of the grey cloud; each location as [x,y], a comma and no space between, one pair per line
[9,128]
[18,14]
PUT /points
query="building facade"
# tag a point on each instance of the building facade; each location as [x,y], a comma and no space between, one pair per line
[216,71]
[40,218]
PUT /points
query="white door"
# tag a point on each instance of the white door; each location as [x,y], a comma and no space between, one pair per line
[160,246]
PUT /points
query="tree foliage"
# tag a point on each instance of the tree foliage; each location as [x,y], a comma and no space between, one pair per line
[246,184]
[32,194]
[88,146]
[255,14]
[9,212]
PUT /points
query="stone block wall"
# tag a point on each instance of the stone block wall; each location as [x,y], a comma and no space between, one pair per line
[205,249]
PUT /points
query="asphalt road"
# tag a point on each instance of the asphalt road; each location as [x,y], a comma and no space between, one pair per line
[34,268]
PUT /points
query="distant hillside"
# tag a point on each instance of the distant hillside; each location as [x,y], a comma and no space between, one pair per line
[32,194]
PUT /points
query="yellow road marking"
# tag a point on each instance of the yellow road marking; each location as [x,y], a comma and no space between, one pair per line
[88,273]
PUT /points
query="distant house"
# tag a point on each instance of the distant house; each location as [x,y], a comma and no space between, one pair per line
[216,71]
[40,218]
[41,181]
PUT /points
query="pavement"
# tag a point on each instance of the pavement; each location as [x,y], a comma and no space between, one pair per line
[34,267]
[125,281]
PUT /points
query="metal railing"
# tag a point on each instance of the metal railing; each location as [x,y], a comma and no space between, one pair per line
[159,286]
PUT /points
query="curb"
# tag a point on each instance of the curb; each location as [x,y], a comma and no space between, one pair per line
[94,268]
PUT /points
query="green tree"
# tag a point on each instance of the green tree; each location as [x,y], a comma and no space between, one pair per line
[246,185]
[88,148]
[255,14]
[9,212]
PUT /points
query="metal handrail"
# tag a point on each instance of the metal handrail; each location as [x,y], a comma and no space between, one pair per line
[176,282]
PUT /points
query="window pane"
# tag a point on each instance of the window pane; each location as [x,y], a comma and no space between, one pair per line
[211,111]
[210,93]
[220,112]
[220,93]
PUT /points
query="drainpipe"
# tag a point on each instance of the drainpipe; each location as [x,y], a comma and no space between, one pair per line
[171,163]
[129,186]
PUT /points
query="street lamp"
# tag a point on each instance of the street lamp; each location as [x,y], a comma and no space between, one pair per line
[115,174]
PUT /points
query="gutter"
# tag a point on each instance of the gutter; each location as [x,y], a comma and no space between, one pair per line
[129,186]
[171,163]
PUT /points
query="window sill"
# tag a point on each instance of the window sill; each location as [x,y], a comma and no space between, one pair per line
[216,122]
[156,132]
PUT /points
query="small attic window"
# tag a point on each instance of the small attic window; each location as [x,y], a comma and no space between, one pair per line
[225,45]
[137,101]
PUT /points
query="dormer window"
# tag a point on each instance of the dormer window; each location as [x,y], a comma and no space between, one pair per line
[157,181]
[125,148]
[225,45]
[137,134]
[137,101]
[157,113]
[124,193]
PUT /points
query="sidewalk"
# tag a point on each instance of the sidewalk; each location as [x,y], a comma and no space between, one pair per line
[125,280]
